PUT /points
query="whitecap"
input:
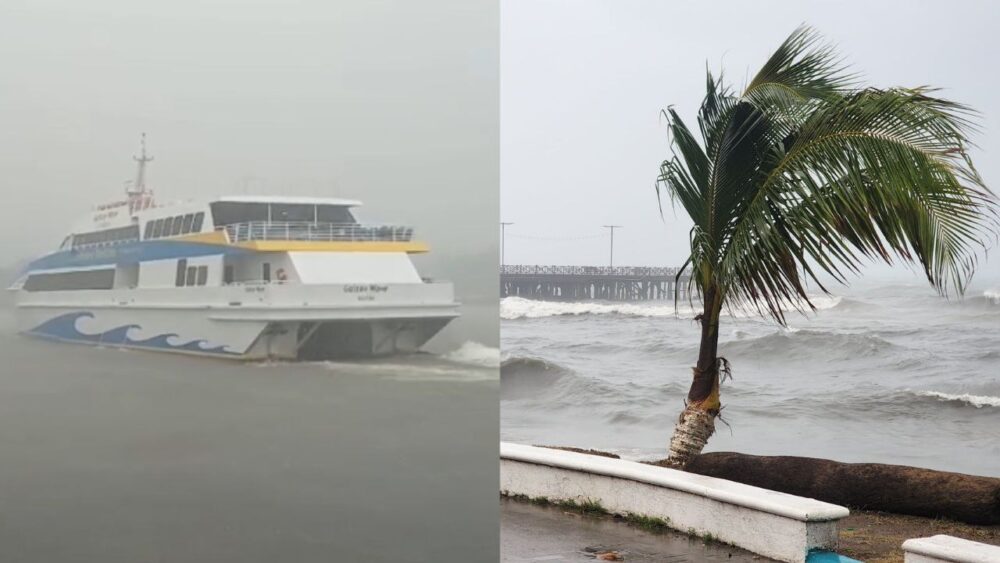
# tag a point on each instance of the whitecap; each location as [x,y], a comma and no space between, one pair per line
[978,401]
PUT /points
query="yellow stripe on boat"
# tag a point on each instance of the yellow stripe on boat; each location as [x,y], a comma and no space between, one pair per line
[214,237]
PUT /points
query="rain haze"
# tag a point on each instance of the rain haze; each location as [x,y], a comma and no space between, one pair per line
[390,103]
[114,454]
[584,82]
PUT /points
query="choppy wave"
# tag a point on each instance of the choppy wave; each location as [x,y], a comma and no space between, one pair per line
[978,401]
[523,377]
[512,308]
[894,361]
[475,354]
[813,345]
[558,386]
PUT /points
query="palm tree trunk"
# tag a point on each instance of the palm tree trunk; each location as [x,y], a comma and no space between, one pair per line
[697,422]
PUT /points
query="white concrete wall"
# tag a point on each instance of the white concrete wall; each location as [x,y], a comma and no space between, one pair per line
[777,525]
[949,549]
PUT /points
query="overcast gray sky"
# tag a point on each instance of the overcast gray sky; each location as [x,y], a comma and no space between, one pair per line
[391,102]
[583,82]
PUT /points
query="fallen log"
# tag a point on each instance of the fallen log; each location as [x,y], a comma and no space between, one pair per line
[868,486]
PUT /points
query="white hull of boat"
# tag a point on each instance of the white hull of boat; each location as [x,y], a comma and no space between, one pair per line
[248,322]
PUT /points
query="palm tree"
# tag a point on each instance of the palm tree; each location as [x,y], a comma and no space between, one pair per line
[806,175]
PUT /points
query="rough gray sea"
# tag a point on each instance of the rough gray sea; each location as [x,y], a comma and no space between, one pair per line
[887,373]
[122,456]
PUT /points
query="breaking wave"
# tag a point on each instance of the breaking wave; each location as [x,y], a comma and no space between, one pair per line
[992,296]
[523,377]
[978,401]
[512,308]
[474,354]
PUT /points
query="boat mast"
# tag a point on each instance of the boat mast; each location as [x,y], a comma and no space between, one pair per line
[138,196]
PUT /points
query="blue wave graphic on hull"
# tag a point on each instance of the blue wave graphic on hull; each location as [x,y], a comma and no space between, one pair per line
[63,327]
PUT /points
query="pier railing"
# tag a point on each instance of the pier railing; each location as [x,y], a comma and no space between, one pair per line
[291,230]
[588,271]
[576,283]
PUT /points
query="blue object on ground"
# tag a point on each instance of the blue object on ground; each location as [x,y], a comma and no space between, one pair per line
[818,556]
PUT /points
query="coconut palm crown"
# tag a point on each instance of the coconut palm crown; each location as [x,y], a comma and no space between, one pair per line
[806,176]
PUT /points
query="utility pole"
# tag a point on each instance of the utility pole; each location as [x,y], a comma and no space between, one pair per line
[611,261]
[503,241]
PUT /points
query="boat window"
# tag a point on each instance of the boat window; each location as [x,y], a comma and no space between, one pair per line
[168,225]
[232,212]
[199,221]
[181,272]
[228,274]
[71,281]
[177,226]
[334,214]
[108,236]
[192,275]
[188,221]
[202,275]
[149,230]
[267,271]
[293,213]
[157,227]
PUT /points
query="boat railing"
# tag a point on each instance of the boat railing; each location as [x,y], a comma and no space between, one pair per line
[294,230]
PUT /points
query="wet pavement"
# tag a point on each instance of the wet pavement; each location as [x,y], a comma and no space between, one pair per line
[535,533]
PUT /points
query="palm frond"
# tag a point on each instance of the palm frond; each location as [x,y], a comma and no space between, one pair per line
[801,176]
[879,173]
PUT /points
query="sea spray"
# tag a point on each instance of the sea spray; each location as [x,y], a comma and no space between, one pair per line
[475,354]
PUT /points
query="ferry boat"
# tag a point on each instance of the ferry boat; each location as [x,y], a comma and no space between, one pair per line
[242,277]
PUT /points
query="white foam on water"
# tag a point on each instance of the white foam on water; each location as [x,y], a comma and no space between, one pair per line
[993,295]
[978,401]
[475,354]
[416,371]
[520,308]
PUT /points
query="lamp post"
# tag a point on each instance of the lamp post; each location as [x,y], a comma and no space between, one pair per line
[503,241]
[611,260]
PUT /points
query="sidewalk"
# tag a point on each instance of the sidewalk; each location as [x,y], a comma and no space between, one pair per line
[534,533]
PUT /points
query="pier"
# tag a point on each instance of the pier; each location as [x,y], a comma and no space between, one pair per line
[581,283]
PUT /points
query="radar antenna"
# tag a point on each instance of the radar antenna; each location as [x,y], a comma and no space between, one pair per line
[138,196]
